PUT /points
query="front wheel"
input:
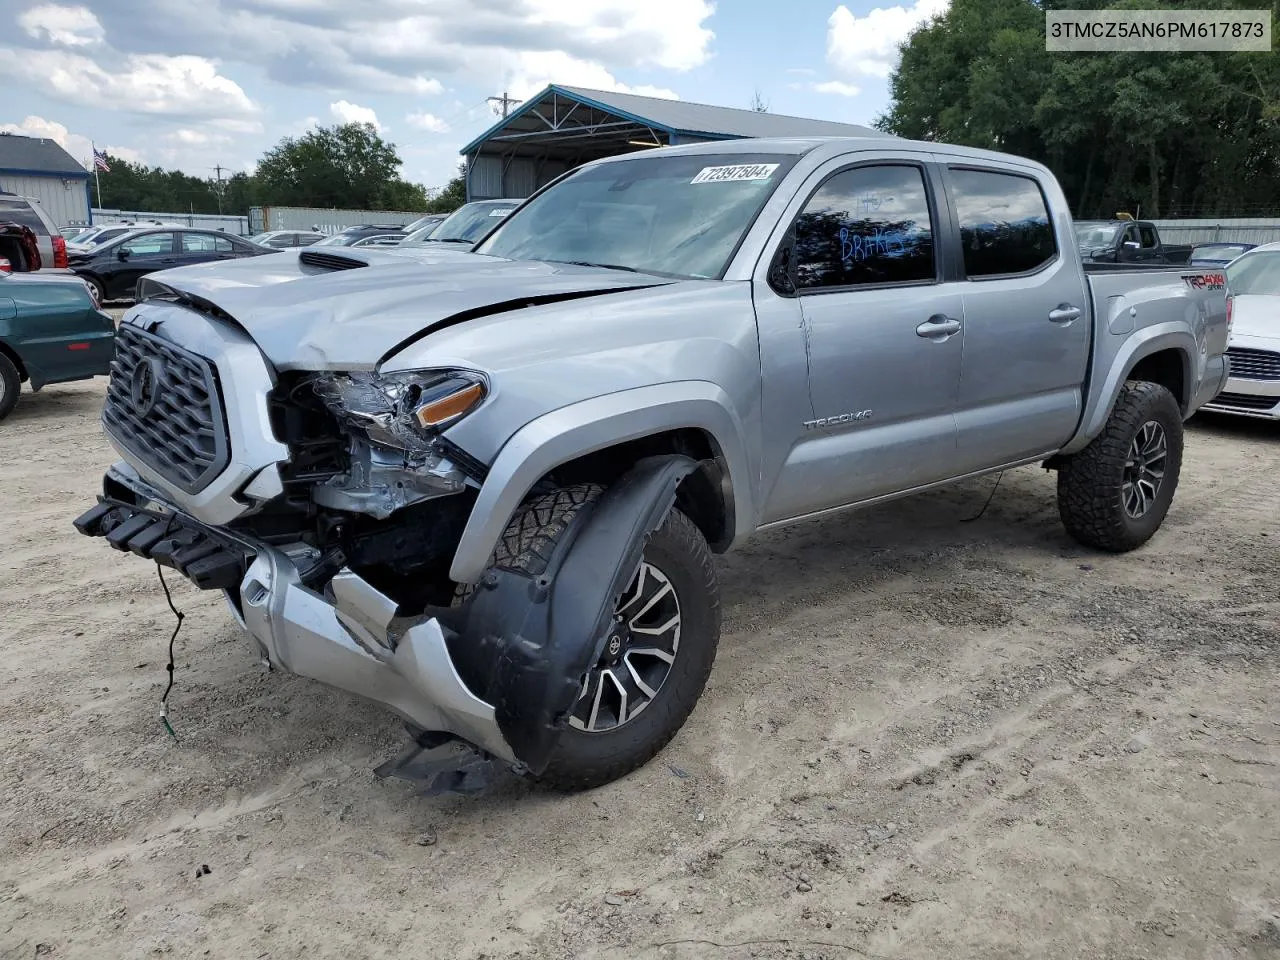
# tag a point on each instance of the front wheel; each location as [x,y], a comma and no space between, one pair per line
[659,653]
[1115,493]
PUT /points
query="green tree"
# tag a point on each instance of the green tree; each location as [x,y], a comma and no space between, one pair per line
[345,166]
[1171,133]
[453,195]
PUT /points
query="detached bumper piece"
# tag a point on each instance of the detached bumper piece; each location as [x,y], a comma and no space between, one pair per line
[208,561]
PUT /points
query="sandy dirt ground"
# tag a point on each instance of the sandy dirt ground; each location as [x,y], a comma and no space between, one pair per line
[924,737]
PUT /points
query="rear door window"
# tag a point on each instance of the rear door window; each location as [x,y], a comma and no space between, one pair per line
[1004,223]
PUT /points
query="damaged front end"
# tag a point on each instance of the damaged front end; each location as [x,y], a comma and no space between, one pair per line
[343,577]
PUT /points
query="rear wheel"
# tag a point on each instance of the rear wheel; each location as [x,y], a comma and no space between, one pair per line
[661,645]
[10,385]
[1114,494]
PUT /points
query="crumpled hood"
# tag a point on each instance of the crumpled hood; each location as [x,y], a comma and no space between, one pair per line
[1256,315]
[315,318]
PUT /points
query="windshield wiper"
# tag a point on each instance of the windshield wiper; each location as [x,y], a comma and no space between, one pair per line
[603,266]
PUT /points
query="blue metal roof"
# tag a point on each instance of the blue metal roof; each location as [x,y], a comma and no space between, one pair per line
[677,117]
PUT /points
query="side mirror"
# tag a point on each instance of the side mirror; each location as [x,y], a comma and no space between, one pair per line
[122,253]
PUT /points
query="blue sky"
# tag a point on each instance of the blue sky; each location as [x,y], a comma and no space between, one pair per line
[210,82]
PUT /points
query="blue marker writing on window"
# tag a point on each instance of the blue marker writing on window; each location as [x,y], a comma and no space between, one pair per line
[856,247]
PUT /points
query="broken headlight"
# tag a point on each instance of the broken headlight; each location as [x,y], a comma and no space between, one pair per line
[404,411]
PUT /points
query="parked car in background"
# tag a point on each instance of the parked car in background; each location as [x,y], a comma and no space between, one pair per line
[116,266]
[283,239]
[1125,240]
[422,223]
[50,243]
[469,223]
[1253,352]
[1217,254]
[96,236]
[51,331]
[381,240]
[485,490]
[351,235]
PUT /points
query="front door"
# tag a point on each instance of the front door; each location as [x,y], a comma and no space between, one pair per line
[135,258]
[1026,320]
[884,341]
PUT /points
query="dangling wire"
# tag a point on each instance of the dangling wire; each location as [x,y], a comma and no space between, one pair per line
[990,497]
[164,700]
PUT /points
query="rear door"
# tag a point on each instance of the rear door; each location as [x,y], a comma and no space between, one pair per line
[1026,316]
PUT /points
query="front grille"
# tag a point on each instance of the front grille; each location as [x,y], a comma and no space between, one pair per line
[1249,364]
[1243,401]
[170,417]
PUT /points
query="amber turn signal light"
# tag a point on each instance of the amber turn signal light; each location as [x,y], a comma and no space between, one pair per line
[439,412]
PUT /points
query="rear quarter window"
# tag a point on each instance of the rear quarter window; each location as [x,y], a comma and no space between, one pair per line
[23,214]
[1004,223]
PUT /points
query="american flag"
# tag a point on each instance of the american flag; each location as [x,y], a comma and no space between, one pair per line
[100,161]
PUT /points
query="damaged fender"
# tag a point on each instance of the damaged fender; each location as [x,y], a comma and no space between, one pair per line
[528,641]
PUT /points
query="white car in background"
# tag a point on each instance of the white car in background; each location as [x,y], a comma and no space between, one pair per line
[1253,353]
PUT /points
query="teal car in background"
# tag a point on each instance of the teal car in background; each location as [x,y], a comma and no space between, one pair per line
[51,331]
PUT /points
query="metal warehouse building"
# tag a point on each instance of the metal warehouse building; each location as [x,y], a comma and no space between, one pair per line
[40,169]
[562,127]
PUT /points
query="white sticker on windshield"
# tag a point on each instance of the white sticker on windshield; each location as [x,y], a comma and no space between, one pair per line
[735,174]
[499,213]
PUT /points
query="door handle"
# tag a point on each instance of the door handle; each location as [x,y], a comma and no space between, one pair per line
[938,327]
[1064,313]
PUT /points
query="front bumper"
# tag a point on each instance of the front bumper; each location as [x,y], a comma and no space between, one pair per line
[1248,398]
[347,637]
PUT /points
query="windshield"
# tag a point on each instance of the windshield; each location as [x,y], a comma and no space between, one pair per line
[338,240]
[674,215]
[1091,234]
[262,237]
[471,221]
[1255,273]
[419,235]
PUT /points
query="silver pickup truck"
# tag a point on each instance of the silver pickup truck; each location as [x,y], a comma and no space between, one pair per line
[484,489]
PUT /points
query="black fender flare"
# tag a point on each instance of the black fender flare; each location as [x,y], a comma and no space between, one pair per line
[528,641]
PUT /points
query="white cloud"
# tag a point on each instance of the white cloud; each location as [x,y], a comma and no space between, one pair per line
[427,121]
[345,112]
[141,83]
[187,137]
[80,147]
[536,69]
[837,87]
[869,45]
[65,26]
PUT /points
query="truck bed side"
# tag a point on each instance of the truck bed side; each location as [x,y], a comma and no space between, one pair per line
[1171,321]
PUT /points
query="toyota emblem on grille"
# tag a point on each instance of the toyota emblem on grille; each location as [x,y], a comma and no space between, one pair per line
[144,387]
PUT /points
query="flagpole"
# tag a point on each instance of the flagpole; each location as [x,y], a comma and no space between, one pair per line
[98,183]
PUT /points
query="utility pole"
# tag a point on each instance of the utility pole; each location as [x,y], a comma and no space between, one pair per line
[217,190]
[507,103]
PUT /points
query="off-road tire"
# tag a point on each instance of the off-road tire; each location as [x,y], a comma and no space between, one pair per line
[1090,483]
[10,385]
[582,760]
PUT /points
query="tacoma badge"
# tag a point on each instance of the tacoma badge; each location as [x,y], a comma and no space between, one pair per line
[837,420]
